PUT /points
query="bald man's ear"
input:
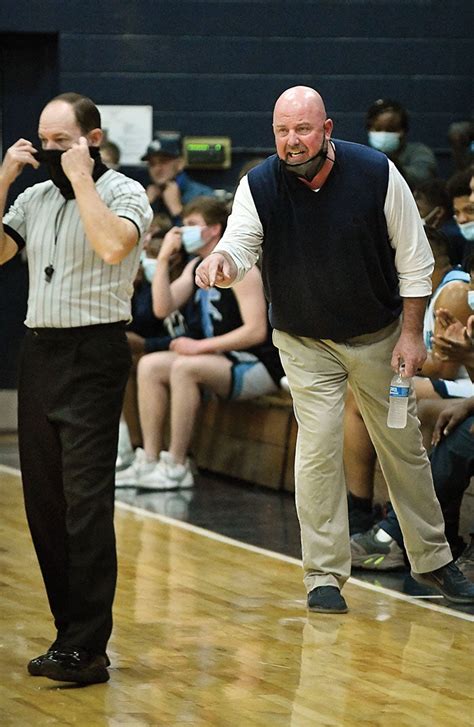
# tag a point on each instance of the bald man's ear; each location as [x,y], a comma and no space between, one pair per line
[328,127]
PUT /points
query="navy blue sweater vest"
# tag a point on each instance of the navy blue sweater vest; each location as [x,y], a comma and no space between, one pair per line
[327,264]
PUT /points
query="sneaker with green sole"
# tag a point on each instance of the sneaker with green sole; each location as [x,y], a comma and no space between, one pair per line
[369,553]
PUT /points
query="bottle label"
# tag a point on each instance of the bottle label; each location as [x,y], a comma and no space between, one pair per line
[399,391]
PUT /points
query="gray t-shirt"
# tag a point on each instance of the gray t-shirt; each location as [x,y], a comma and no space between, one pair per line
[84,289]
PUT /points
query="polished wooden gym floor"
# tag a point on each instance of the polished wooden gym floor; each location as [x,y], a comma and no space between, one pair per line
[210,631]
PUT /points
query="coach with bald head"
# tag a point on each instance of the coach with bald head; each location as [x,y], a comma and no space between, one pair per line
[82,230]
[346,267]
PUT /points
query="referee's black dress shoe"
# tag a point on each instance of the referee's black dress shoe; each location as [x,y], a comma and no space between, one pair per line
[35,666]
[69,664]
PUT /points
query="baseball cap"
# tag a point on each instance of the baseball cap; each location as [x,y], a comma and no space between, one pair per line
[167,143]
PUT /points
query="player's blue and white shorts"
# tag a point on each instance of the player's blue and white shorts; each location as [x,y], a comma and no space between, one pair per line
[250,377]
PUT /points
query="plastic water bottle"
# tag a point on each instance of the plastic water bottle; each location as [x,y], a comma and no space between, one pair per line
[398,407]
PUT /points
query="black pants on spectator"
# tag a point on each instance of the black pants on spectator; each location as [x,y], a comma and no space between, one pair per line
[452,465]
[69,402]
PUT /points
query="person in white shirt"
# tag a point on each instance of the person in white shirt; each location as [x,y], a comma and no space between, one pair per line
[343,255]
[83,232]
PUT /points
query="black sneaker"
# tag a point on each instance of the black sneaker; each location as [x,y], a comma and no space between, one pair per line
[449,581]
[326,599]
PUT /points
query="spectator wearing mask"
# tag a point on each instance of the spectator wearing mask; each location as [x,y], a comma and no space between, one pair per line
[147,333]
[235,360]
[171,187]
[387,125]
[436,210]
[459,188]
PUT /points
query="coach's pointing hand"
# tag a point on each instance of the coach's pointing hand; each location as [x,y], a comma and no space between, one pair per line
[216,269]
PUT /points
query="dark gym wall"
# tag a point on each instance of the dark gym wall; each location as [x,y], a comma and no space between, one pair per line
[216,66]
[28,78]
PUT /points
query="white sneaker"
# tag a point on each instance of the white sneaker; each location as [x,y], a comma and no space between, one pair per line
[130,476]
[167,475]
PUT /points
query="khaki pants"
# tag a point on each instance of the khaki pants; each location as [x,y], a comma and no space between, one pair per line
[318,372]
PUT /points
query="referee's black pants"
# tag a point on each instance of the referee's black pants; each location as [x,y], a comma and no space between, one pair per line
[70,396]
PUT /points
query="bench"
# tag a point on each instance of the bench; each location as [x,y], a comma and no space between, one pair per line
[255,440]
[252,440]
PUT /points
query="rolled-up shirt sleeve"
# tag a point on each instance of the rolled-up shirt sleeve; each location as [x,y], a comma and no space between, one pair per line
[413,257]
[243,237]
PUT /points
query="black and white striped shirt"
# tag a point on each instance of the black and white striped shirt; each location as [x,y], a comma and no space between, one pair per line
[84,289]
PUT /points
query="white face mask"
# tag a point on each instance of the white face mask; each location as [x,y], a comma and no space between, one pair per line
[467,230]
[385,141]
[149,267]
[191,238]
[470,299]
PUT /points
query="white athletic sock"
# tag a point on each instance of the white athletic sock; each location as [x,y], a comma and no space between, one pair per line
[382,536]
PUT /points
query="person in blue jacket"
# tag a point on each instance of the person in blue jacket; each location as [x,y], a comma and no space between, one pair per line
[171,187]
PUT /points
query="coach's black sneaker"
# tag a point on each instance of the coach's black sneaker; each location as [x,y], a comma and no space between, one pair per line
[449,581]
[326,599]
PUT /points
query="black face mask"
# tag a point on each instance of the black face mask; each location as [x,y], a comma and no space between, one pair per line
[52,158]
[309,169]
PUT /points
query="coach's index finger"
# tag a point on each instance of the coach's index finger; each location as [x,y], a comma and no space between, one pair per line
[215,268]
[216,263]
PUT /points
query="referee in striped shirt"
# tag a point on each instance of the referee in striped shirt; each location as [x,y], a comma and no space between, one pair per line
[83,234]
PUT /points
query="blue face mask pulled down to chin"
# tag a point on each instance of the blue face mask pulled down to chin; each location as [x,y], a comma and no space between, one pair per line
[467,230]
[386,141]
[191,238]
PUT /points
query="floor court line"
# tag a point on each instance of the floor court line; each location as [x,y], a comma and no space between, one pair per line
[272,554]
